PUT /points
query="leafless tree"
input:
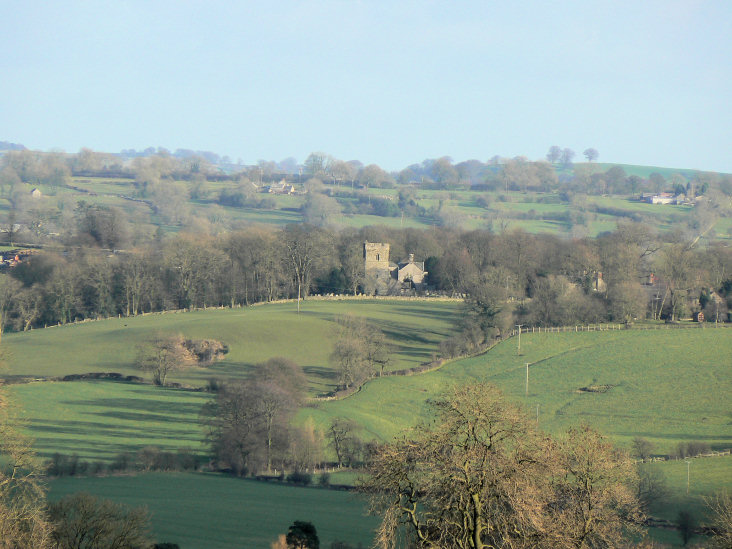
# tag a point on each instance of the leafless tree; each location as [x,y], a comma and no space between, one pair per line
[162,355]
[480,476]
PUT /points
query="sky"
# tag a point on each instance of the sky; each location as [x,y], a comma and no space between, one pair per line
[390,83]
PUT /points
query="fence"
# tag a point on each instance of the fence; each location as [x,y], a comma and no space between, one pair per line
[611,327]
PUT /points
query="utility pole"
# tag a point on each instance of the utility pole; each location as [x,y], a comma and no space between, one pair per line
[688,463]
[519,326]
[527,382]
[537,415]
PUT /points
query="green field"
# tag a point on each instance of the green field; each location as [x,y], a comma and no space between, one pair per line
[413,328]
[98,420]
[526,210]
[209,511]
[668,386]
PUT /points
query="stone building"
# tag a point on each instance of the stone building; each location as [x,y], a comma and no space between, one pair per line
[384,277]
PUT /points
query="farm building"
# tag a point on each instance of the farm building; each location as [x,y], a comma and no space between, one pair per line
[665,198]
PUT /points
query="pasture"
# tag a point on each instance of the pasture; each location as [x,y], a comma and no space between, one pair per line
[413,329]
[535,212]
[97,420]
[210,511]
[668,386]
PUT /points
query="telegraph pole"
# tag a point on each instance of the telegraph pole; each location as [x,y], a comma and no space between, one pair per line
[527,384]
[688,464]
[519,326]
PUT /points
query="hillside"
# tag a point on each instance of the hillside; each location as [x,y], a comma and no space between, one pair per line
[664,385]
[669,386]
[575,201]
[413,329]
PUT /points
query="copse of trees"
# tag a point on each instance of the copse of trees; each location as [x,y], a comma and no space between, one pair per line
[248,423]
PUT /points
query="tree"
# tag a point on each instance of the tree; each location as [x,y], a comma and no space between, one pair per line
[9,287]
[591,154]
[554,154]
[594,500]
[628,301]
[686,523]
[22,493]
[652,485]
[720,507]
[315,164]
[232,424]
[164,354]
[566,157]
[340,433]
[305,249]
[320,209]
[279,387]
[462,481]
[83,521]
[349,357]
[360,349]
[302,535]
[248,423]
[642,448]
[481,476]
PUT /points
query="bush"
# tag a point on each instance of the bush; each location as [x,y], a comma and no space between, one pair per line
[299,477]
[324,480]
[691,449]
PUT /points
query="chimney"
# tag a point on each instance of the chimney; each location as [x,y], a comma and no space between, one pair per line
[411,258]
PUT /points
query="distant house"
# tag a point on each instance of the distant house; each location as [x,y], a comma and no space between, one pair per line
[665,198]
[283,187]
[36,193]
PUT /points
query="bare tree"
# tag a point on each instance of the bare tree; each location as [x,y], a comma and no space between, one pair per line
[340,433]
[305,248]
[464,480]
[591,154]
[162,355]
[23,521]
[85,521]
[720,506]
[480,476]
[566,157]
[554,154]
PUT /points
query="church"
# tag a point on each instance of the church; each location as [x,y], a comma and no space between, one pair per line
[384,277]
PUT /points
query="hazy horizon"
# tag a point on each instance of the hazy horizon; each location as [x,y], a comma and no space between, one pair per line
[390,84]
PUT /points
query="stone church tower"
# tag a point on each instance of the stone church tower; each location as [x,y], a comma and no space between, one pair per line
[376,257]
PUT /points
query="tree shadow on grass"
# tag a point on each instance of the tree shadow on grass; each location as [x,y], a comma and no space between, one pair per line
[320,372]
[163,406]
[91,429]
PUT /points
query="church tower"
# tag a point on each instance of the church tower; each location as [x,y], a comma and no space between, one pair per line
[376,257]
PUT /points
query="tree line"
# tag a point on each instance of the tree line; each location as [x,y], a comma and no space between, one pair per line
[542,280]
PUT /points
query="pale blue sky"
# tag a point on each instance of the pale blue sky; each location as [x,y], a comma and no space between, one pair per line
[391,83]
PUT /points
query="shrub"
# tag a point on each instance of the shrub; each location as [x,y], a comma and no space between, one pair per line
[299,477]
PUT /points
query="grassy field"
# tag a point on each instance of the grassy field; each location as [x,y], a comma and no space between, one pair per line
[668,386]
[413,328]
[519,209]
[98,420]
[209,511]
